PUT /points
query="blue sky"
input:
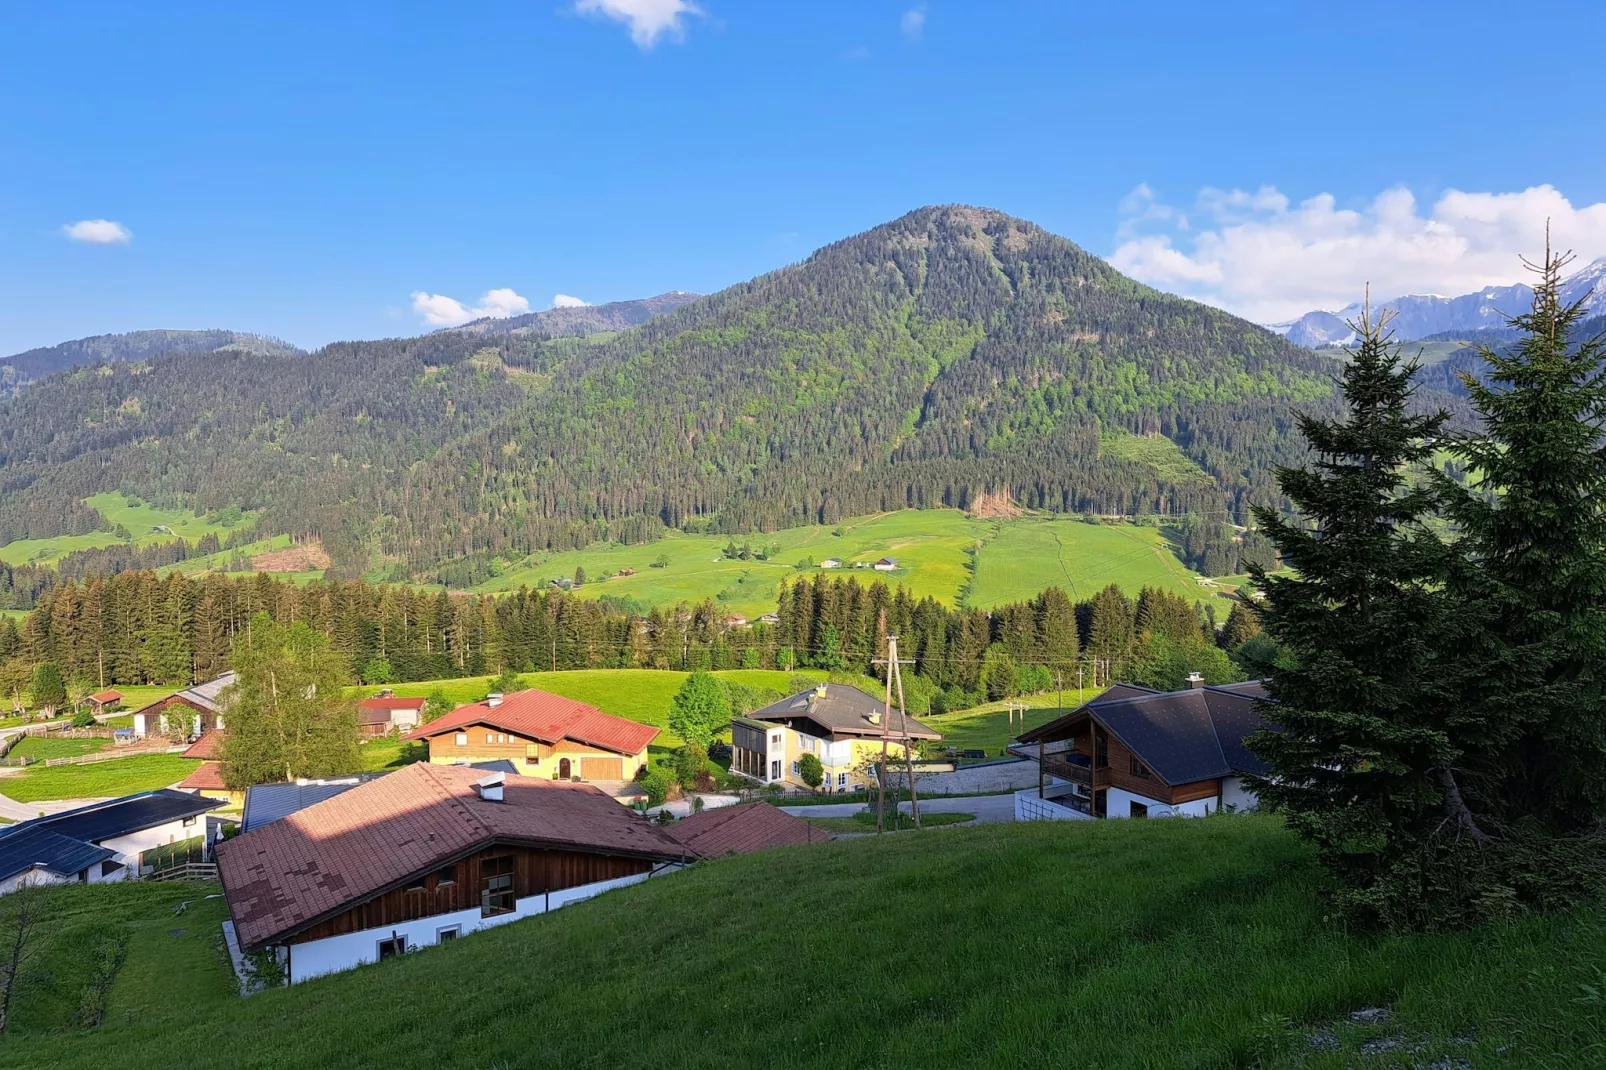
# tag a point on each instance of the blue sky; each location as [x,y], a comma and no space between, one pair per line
[305,169]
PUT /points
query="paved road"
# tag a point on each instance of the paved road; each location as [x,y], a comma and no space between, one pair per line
[987,808]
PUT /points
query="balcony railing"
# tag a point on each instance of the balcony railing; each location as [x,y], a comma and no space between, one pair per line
[1071,771]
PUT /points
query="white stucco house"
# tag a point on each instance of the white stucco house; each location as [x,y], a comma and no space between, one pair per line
[101,842]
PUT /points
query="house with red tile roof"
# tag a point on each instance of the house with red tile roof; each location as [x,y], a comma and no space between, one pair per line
[104,701]
[207,779]
[740,830]
[427,854]
[542,734]
[376,716]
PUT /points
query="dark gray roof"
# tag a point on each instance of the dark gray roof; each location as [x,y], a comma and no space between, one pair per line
[1050,732]
[267,803]
[1182,736]
[118,817]
[23,848]
[838,709]
[500,765]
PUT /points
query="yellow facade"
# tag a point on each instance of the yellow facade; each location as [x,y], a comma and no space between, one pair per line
[479,743]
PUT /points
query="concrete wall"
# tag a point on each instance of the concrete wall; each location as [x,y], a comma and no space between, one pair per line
[335,953]
[1028,807]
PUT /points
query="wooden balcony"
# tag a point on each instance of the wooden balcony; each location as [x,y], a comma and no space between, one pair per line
[1069,771]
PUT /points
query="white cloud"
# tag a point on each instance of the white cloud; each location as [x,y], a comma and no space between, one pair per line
[1269,259]
[565,301]
[913,23]
[98,232]
[647,19]
[438,310]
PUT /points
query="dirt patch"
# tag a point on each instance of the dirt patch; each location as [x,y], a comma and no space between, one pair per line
[999,503]
[303,558]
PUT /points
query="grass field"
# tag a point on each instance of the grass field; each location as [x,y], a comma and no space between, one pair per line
[1015,558]
[43,747]
[1201,944]
[144,523]
[987,728]
[98,780]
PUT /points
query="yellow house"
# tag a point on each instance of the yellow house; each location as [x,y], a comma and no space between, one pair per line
[840,725]
[542,735]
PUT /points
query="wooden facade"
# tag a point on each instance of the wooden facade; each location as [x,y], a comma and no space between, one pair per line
[563,759]
[1116,766]
[469,882]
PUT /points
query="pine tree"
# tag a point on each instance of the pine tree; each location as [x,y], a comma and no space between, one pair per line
[1362,763]
[1534,527]
[49,692]
[1242,625]
[1110,632]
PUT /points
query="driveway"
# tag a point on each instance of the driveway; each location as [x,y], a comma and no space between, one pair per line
[987,808]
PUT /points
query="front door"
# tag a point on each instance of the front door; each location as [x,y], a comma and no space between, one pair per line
[563,769]
[775,770]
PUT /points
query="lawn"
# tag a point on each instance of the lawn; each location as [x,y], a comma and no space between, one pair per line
[138,696]
[864,821]
[98,780]
[987,728]
[145,524]
[44,747]
[1157,944]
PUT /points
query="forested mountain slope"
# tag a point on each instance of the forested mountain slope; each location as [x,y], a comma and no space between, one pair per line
[578,320]
[950,354]
[20,369]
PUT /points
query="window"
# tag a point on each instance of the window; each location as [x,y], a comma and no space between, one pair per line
[776,739]
[108,868]
[842,780]
[462,739]
[443,935]
[396,945]
[794,769]
[189,822]
[496,886]
[490,737]
[1138,810]
[1101,751]
[416,885]
[775,770]
[1139,769]
[446,875]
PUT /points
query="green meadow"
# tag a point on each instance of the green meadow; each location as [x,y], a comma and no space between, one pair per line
[144,523]
[1119,944]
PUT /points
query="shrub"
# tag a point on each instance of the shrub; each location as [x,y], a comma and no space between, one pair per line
[83,719]
[698,708]
[810,770]
[657,785]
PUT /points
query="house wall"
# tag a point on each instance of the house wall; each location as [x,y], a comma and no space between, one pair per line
[1028,807]
[841,759]
[1236,797]
[128,847]
[152,718]
[535,873]
[530,757]
[330,954]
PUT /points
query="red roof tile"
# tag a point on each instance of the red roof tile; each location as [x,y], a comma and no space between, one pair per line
[391,702]
[208,777]
[208,748]
[107,696]
[740,830]
[283,876]
[548,718]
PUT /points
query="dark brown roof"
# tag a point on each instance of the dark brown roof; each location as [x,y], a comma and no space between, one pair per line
[281,877]
[740,830]
[1183,736]
[841,710]
[549,718]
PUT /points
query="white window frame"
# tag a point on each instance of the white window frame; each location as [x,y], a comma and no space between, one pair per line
[455,930]
[462,739]
[400,942]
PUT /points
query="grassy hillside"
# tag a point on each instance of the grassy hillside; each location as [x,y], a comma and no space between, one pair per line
[1015,558]
[98,780]
[1120,944]
[145,524]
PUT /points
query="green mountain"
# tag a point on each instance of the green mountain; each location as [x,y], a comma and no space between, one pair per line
[951,354]
[20,369]
[578,320]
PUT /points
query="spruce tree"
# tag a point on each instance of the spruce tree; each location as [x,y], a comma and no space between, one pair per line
[1361,761]
[1533,522]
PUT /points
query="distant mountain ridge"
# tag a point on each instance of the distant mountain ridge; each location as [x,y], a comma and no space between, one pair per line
[1418,317]
[577,320]
[20,369]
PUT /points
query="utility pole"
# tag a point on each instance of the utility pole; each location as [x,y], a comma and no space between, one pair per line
[1016,710]
[892,662]
[903,720]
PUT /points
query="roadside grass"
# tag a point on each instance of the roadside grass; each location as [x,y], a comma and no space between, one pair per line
[1117,944]
[865,821]
[99,780]
[45,747]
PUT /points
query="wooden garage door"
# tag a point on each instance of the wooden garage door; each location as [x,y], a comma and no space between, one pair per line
[602,768]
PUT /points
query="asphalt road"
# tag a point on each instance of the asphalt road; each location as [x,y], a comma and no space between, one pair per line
[987,808]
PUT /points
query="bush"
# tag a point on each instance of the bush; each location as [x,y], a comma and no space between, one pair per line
[699,708]
[657,785]
[83,719]
[811,771]
[691,762]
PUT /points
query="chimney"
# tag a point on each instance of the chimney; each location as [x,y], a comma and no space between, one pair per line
[874,717]
[490,787]
[494,699]
[819,690]
[1195,680]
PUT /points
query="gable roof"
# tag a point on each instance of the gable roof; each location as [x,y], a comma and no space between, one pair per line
[740,830]
[391,702]
[201,696]
[209,748]
[208,776]
[267,803]
[109,695]
[841,710]
[118,817]
[282,877]
[29,848]
[549,718]
[1182,736]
